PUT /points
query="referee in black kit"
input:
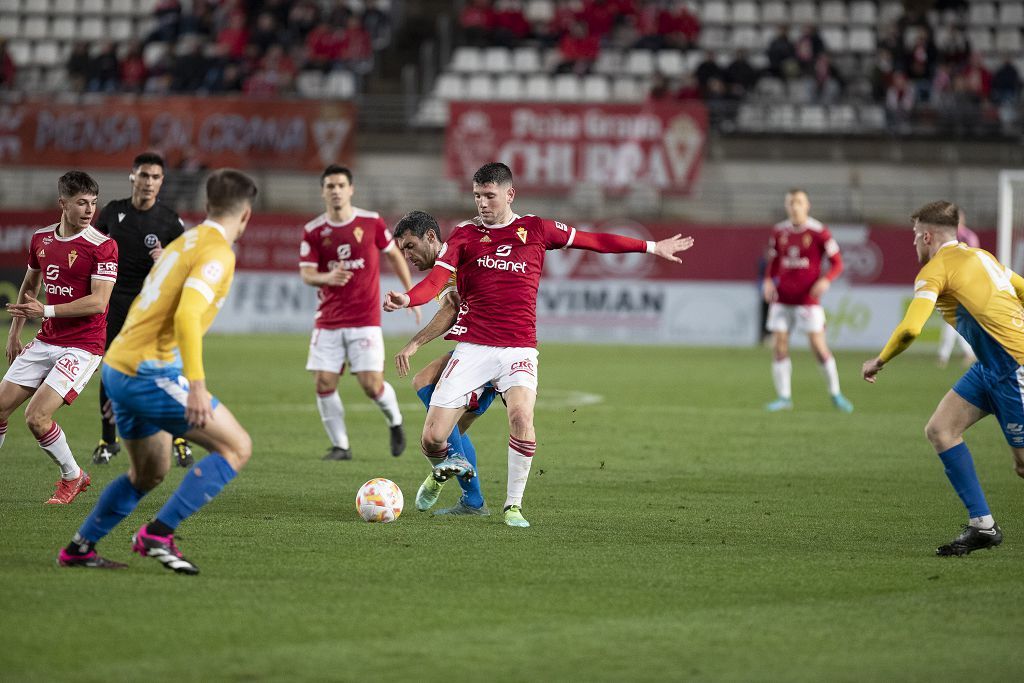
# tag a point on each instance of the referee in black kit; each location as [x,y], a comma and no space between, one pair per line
[141,226]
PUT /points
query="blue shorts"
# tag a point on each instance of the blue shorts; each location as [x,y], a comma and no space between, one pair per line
[484,400]
[149,403]
[1002,395]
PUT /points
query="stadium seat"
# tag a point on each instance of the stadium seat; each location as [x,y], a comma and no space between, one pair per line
[10,26]
[449,86]
[770,88]
[56,78]
[833,12]
[713,38]
[981,38]
[10,6]
[1011,14]
[750,117]
[627,89]
[20,52]
[872,117]
[889,12]
[92,28]
[861,40]
[863,13]
[526,60]
[608,62]
[63,7]
[842,118]
[781,117]
[120,28]
[63,28]
[981,14]
[596,89]
[145,6]
[715,12]
[774,12]
[812,118]
[479,87]
[567,88]
[153,53]
[746,38]
[640,62]
[803,12]
[509,88]
[93,6]
[340,85]
[834,38]
[35,27]
[538,87]
[671,63]
[44,7]
[745,13]
[122,7]
[46,53]
[539,10]
[310,83]
[466,59]
[1008,39]
[497,60]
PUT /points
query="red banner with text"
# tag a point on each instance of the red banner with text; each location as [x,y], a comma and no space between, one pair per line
[109,132]
[556,147]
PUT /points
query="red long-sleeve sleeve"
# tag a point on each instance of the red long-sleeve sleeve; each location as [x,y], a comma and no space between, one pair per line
[430,286]
[606,243]
[835,266]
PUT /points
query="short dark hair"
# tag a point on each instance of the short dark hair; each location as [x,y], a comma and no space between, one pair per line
[74,183]
[940,214]
[494,172]
[419,223]
[335,169]
[148,159]
[228,191]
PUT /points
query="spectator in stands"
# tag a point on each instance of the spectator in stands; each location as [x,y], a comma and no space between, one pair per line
[104,71]
[1006,83]
[624,35]
[808,47]
[740,75]
[274,76]
[941,91]
[689,88]
[899,103]
[681,27]
[339,14]
[133,69]
[159,78]
[77,66]
[881,73]
[920,63]
[190,65]
[781,54]
[281,9]
[167,14]
[199,21]
[377,23]
[303,17]
[228,79]
[957,47]
[825,85]
[660,91]
[707,71]
[323,46]
[235,36]
[577,51]
[599,16]
[476,22]
[509,24]
[8,70]
[977,78]
[889,38]
[266,33]
[355,51]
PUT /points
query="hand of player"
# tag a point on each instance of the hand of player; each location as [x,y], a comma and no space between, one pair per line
[668,248]
[28,310]
[395,300]
[403,356]
[338,277]
[14,348]
[821,286]
[199,406]
[771,294]
[871,368]
[417,313]
[156,252]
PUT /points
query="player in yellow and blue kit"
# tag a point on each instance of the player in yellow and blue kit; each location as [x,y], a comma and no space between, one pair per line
[982,299]
[153,372]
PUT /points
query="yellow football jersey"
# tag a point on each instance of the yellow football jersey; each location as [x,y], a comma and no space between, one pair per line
[978,296]
[178,303]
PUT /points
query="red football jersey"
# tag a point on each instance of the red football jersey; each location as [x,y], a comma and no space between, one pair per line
[498,270]
[795,255]
[354,246]
[69,265]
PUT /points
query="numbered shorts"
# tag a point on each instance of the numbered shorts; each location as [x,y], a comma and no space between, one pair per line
[361,348]
[472,366]
[998,395]
[64,369]
[148,403]
[790,318]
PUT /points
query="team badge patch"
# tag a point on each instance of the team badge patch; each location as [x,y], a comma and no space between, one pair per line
[807,241]
[72,257]
[358,234]
[213,271]
[521,234]
[151,241]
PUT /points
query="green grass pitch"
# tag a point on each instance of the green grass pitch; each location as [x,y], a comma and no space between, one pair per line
[679,533]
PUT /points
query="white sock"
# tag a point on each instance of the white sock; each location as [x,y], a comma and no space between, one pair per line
[388,404]
[56,446]
[983,522]
[3,431]
[520,458]
[782,371]
[332,414]
[832,375]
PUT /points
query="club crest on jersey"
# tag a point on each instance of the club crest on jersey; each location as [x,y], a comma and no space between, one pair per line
[807,241]
[485,238]
[72,257]
[358,234]
[521,234]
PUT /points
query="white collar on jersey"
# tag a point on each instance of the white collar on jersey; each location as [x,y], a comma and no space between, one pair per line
[56,234]
[512,220]
[216,226]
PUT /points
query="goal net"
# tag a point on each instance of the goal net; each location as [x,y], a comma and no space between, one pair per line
[1010,234]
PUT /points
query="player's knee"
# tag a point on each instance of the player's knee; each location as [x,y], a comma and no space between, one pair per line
[326,385]
[147,479]
[432,439]
[520,420]
[423,378]
[372,389]
[39,422]
[239,451]
[940,435]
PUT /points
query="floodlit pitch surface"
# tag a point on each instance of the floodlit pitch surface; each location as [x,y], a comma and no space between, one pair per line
[679,532]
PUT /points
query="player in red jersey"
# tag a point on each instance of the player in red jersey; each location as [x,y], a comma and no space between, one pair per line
[497,258]
[793,287]
[77,266]
[340,254]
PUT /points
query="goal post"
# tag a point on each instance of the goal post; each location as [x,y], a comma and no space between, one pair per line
[1010,221]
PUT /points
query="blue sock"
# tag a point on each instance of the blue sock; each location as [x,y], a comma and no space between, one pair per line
[961,474]
[200,485]
[115,503]
[471,489]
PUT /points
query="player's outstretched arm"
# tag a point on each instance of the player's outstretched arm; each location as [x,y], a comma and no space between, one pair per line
[428,288]
[401,268]
[668,248]
[605,243]
[903,336]
[442,321]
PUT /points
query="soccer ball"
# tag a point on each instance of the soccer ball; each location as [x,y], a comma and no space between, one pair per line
[379,500]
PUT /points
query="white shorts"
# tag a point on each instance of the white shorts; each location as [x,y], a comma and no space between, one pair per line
[474,365]
[787,318]
[64,369]
[362,348]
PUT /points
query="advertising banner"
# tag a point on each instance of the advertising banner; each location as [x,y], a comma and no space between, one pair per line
[222,131]
[555,147]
